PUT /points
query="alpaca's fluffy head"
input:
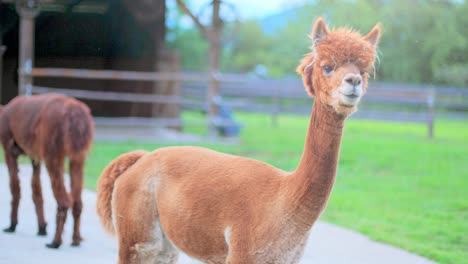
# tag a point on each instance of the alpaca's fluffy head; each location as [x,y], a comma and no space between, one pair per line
[337,69]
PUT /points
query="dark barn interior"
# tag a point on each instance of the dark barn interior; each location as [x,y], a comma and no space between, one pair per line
[92,34]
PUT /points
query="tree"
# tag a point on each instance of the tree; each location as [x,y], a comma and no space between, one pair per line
[249,48]
[213,35]
[191,46]
[423,41]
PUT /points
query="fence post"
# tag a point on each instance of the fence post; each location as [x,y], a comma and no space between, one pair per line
[276,105]
[27,10]
[430,103]
[212,103]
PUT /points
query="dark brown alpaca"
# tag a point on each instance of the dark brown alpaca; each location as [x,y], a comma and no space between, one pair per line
[220,208]
[47,128]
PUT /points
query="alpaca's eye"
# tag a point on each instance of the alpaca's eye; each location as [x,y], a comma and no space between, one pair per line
[327,69]
[363,72]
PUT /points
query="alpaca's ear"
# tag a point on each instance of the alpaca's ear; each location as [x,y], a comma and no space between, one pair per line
[374,35]
[305,69]
[319,31]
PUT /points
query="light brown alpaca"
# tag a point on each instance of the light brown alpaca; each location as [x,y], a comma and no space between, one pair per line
[221,208]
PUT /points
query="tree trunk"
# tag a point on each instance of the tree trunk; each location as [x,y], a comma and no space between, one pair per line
[213,54]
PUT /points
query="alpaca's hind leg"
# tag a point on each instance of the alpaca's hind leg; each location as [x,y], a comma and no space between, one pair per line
[37,197]
[136,218]
[169,253]
[12,164]
[239,247]
[76,176]
[152,247]
[55,169]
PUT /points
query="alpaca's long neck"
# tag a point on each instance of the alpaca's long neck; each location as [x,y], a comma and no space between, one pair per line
[308,187]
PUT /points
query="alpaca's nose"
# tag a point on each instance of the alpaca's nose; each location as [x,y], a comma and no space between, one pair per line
[353,79]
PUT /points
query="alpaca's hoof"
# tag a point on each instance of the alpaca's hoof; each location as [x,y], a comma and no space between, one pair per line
[76,241]
[54,244]
[42,231]
[10,229]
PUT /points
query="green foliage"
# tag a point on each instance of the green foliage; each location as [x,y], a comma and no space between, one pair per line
[290,44]
[424,41]
[188,41]
[248,49]
[455,74]
[420,37]
[192,48]
[394,184]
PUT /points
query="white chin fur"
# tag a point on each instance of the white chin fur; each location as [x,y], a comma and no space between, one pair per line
[349,95]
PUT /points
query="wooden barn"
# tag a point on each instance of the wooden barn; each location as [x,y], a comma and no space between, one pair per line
[123,35]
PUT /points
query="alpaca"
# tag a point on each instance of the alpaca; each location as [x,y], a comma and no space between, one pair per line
[47,128]
[220,208]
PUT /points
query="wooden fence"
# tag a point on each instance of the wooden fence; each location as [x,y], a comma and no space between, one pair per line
[382,102]
[201,79]
[243,93]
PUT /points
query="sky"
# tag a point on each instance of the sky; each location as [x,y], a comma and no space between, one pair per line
[253,8]
[246,9]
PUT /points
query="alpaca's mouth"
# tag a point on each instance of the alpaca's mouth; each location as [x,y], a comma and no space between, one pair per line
[349,100]
[352,96]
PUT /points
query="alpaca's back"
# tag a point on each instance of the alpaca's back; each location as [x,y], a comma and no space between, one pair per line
[48,125]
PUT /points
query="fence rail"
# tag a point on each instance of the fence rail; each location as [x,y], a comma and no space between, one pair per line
[117,75]
[288,96]
[119,96]
[242,93]
[132,75]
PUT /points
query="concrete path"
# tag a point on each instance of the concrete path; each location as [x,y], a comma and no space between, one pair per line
[328,244]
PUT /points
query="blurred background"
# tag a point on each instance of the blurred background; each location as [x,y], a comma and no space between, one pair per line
[222,74]
[424,45]
[423,42]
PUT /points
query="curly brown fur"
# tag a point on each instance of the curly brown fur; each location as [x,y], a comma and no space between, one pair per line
[48,128]
[337,48]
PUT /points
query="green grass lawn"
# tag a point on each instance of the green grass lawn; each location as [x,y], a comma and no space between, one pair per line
[394,184]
